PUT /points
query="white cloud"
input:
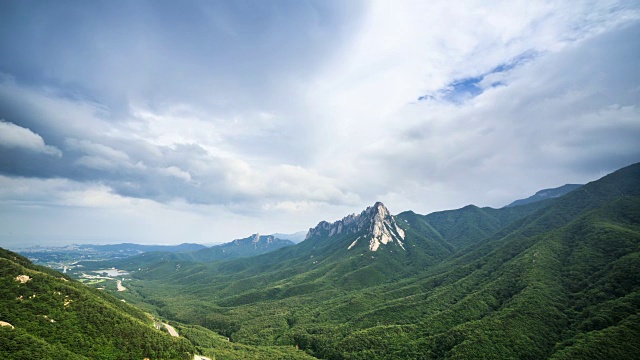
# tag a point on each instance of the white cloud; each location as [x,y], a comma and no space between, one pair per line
[98,150]
[406,49]
[175,172]
[102,157]
[196,157]
[567,117]
[37,211]
[289,149]
[14,136]
[57,192]
[373,137]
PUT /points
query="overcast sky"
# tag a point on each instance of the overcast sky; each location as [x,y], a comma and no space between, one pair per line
[206,121]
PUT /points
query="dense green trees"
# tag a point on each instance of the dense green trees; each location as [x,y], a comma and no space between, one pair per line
[556,279]
[58,318]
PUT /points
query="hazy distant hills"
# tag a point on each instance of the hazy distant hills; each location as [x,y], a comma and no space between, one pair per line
[557,278]
[295,237]
[128,247]
[546,194]
[253,245]
[125,249]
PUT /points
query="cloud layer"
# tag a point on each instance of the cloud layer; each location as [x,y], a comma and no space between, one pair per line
[13,136]
[231,118]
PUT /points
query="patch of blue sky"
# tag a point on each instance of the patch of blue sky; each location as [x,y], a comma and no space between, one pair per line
[461,90]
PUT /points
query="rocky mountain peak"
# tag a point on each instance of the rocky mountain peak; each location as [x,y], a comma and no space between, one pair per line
[375,222]
[258,241]
[256,238]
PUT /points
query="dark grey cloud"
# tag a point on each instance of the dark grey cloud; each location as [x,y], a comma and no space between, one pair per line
[228,60]
[78,72]
[224,54]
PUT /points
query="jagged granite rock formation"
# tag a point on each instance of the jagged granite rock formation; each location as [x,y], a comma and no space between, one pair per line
[258,241]
[374,225]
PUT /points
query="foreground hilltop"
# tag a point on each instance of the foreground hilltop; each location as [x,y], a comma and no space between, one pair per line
[49,316]
[46,315]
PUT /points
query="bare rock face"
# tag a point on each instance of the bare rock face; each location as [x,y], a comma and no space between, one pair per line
[4,323]
[378,226]
[23,278]
[257,240]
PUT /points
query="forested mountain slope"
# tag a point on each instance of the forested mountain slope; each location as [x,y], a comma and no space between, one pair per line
[46,315]
[553,279]
[571,292]
[53,317]
[461,227]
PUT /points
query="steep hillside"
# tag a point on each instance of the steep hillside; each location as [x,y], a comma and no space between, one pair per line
[46,315]
[571,292]
[53,317]
[562,282]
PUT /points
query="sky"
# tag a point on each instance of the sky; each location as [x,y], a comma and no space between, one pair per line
[205,121]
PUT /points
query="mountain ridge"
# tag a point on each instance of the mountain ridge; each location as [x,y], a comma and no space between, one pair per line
[255,244]
[544,194]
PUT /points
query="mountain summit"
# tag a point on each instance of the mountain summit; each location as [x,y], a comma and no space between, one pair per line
[374,225]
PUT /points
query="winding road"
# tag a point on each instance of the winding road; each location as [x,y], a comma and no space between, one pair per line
[200,357]
[171,330]
[120,287]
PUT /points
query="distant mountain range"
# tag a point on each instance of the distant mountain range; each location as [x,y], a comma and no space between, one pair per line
[546,194]
[295,237]
[253,245]
[128,247]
